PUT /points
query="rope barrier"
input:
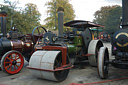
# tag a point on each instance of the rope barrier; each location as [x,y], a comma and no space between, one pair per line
[99,82]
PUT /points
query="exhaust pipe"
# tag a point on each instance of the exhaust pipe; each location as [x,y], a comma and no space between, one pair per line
[60,24]
[125,14]
[3,16]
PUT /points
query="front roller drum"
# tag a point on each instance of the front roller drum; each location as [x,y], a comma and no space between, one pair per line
[103,62]
[12,62]
[45,63]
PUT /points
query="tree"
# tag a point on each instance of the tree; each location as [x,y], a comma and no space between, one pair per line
[52,6]
[24,19]
[113,20]
[31,17]
[109,16]
[10,8]
[101,15]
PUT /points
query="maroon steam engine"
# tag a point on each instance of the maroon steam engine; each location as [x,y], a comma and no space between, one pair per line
[15,47]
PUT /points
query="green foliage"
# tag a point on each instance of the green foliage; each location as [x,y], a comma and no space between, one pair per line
[10,9]
[23,19]
[113,20]
[109,16]
[31,17]
[52,7]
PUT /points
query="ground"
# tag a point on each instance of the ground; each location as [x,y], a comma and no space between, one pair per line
[85,74]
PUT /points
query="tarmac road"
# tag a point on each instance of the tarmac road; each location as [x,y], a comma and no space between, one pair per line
[83,74]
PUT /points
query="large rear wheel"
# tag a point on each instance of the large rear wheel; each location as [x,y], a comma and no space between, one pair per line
[12,62]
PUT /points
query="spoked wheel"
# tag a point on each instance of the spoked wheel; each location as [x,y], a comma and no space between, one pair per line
[12,62]
[93,49]
[103,62]
[38,33]
[48,61]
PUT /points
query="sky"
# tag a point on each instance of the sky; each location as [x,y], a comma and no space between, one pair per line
[84,9]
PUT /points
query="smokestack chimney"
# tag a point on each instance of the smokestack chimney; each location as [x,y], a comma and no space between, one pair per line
[3,16]
[60,23]
[125,14]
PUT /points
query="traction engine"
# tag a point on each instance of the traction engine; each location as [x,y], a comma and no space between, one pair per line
[55,55]
[119,49]
[14,47]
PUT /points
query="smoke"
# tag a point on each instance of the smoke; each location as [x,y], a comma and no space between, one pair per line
[114,1]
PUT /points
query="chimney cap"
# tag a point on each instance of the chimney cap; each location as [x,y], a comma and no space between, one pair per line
[3,14]
[60,9]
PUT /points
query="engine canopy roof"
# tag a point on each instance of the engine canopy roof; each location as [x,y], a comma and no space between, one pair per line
[81,24]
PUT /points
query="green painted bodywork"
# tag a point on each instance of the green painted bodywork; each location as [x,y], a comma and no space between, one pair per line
[75,46]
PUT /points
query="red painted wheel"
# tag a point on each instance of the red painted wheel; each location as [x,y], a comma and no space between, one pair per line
[12,62]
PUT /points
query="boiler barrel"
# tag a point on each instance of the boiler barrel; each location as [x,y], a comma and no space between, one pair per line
[18,45]
[22,46]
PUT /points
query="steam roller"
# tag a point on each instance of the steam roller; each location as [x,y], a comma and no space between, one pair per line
[55,55]
[119,42]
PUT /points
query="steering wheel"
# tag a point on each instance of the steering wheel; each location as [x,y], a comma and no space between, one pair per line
[39,33]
